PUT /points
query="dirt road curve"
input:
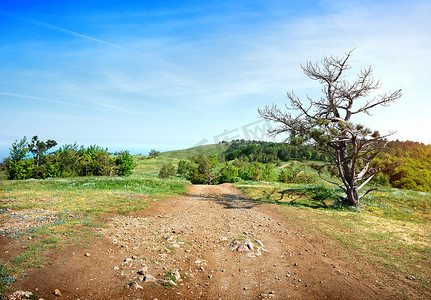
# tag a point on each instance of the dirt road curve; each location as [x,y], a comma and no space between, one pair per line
[194,235]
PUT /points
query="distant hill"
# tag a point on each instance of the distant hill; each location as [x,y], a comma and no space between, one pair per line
[204,149]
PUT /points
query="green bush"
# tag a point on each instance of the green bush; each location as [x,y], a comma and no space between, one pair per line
[295,175]
[255,171]
[167,170]
[229,173]
[20,169]
[183,168]
[68,160]
[125,163]
[203,169]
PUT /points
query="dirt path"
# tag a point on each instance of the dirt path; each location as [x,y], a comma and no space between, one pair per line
[194,235]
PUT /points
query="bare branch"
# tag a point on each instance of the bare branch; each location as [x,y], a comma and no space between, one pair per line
[327,121]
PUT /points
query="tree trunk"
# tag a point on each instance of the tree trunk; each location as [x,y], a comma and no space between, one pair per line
[352,196]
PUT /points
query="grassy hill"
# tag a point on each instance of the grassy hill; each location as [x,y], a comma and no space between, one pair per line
[187,153]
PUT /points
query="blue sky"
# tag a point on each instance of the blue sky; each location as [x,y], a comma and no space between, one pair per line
[172,74]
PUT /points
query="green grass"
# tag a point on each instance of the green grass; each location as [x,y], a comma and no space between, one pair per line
[65,211]
[391,233]
[6,278]
[187,153]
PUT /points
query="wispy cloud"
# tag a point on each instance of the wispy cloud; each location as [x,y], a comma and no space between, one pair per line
[16,95]
[64,30]
[176,69]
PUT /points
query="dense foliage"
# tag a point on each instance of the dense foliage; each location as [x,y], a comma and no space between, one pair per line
[167,170]
[68,160]
[266,152]
[255,160]
[211,169]
[414,172]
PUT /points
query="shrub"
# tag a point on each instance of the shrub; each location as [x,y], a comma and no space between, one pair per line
[68,160]
[183,168]
[125,163]
[20,169]
[255,171]
[167,170]
[203,169]
[295,175]
[229,173]
[153,153]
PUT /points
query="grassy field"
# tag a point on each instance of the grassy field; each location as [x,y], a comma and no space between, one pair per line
[391,233]
[53,213]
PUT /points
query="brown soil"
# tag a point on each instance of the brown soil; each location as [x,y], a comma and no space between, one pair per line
[193,234]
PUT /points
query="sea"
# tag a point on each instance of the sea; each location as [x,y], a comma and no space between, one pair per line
[4,150]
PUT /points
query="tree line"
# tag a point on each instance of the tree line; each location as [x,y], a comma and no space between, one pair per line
[245,160]
[268,152]
[213,169]
[69,160]
[255,160]
[414,169]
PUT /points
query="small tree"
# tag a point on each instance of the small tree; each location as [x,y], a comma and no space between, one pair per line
[327,122]
[39,148]
[17,166]
[167,170]
[203,169]
[183,168]
[125,163]
[154,153]
[19,149]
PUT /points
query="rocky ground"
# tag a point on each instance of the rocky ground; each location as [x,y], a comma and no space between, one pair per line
[210,244]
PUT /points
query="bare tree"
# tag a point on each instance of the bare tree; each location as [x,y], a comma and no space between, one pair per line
[327,122]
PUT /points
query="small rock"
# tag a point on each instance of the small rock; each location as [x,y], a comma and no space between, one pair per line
[250,245]
[87,254]
[411,277]
[242,247]
[176,274]
[143,270]
[135,285]
[150,278]
[234,245]
[57,292]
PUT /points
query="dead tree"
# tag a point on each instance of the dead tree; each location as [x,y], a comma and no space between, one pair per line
[327,122]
